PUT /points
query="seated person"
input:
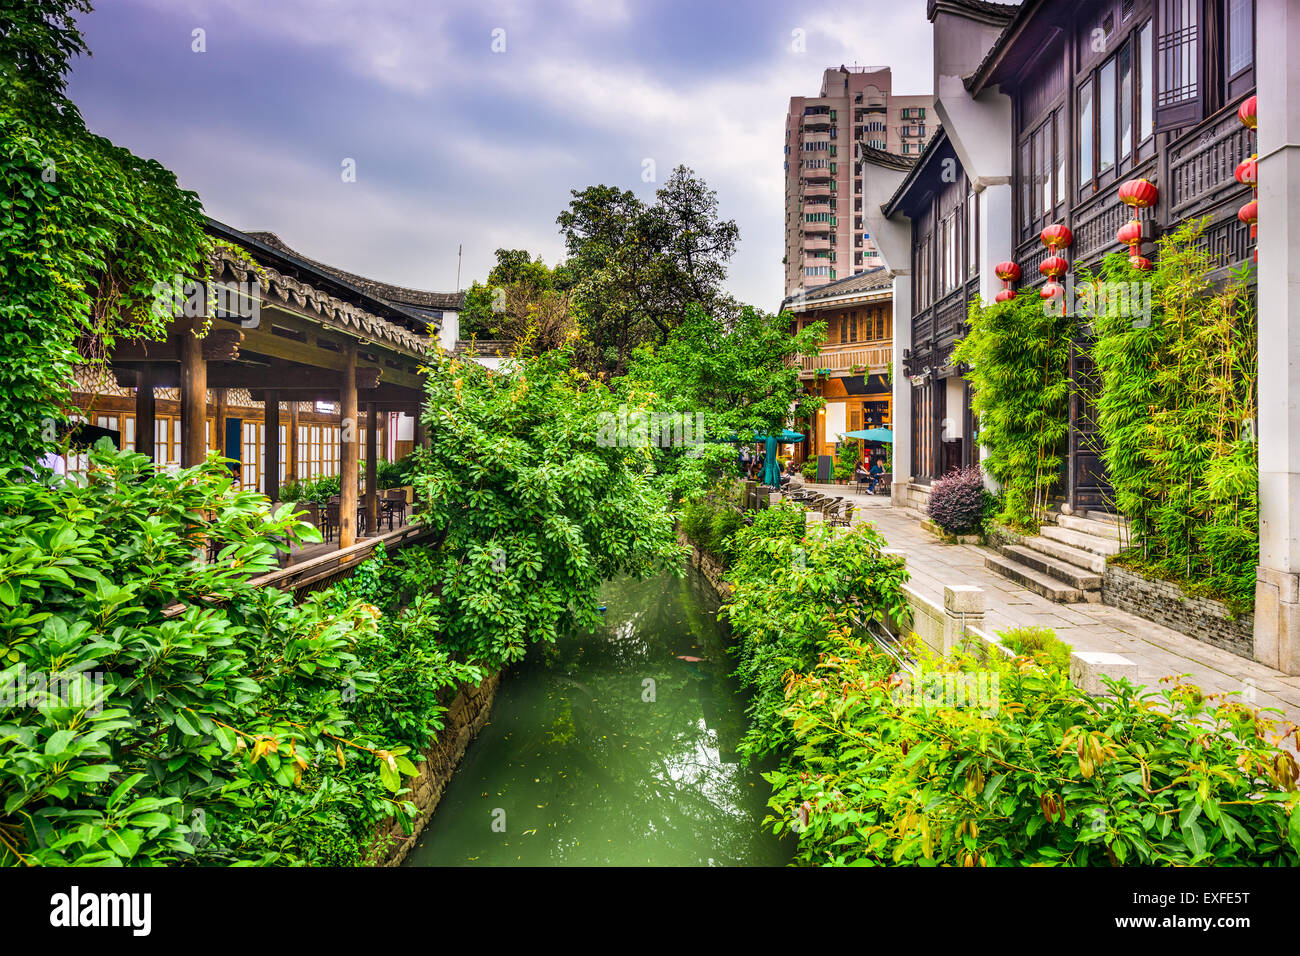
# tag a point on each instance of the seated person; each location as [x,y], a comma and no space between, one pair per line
[876,471]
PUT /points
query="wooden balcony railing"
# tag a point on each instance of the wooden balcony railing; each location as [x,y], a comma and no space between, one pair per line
[873,357]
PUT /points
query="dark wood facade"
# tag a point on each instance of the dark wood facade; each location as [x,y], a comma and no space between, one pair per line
[1102,91]
[939,200]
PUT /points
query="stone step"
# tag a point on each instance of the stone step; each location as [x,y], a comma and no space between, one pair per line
[1099,529]
[1096,563]
[1073,575]
[1080,539]
[1036,581]
[1107,517]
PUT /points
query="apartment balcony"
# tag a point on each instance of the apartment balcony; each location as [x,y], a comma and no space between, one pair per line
[817,228]
[853,358]
[811,244]
[816,120]
[816,137]
[814,190]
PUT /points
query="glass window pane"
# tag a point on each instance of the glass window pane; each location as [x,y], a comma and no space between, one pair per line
[1240,34]
[1085,132]
[1125,103]
[1146,117]
[1057,122]
[1106,117]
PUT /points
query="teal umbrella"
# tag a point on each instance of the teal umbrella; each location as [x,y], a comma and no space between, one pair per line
[771,470]
[873,434]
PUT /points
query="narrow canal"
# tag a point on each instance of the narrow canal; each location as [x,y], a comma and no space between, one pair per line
[613,748]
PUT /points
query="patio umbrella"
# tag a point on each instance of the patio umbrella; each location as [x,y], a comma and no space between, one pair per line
[771,470]
[873,434]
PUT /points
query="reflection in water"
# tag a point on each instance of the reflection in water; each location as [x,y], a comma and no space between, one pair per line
[607,749]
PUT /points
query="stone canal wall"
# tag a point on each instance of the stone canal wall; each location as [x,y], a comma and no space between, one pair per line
[1165,603]
[466,715]
[709,567]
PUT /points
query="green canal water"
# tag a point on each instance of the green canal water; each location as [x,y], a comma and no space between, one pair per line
[608,749]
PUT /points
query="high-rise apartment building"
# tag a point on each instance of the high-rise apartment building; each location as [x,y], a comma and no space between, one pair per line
[824,235]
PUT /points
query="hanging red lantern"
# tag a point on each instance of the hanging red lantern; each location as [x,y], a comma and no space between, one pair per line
[1054,266]
[1249,214]
[1008,272]
[1138,193]
[1051,290]
[1056,237]
[1247,172]
[1246,112]
[1141,263]
[1130,233]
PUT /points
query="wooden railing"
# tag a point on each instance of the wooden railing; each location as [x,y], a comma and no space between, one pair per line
[843,358]
[324,569]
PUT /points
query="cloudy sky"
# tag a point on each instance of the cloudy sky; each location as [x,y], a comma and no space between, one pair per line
[454,142]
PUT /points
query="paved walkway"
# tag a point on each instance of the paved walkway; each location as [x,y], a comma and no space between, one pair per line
[1158,651]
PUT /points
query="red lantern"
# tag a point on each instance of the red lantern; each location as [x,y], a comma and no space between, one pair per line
[1130,233]
[1141,263]
[1054,266]
[1246,112]
[1056,237]
[1051,290]
[1249,213]
[1007,271]
[1138,193]
[1247,172]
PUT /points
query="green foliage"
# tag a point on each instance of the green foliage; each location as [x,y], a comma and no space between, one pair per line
[792,591]
[736,377]
[845,464]
[959,503]
[87,230]
[1040,643]
[809,469]
[1177,402]
[1019,354]
[636,266]
[711,521]
[1041,774]
[533,509]
[211,720]
[523,301]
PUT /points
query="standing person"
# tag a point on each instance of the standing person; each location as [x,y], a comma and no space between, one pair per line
[744,461]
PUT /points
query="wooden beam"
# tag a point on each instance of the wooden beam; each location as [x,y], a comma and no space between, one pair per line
[280,376]
[144,415]
[194,402]
[348,451]
[219,345]
[271,443]
[372,469]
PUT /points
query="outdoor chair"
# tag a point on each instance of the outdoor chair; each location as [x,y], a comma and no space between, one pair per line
[842,516]
[394,503]
[331,519]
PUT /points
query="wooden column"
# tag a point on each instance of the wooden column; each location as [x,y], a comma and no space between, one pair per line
[194,401]
[419,434]
[348,449]
[291,446]
[144,414]
[221,404]
[271,442]
[372,469]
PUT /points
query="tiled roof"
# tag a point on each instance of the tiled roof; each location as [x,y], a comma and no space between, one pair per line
[981,8]
[399,295]
[880,157]
[872,280]
[1021,13]
[931,148]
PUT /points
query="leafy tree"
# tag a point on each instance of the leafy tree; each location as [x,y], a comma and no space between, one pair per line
[523,301]
[637,267]
[533,508]
[1018,353]
[88,229]
[738,376]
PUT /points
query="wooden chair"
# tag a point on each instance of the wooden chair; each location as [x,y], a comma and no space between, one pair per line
[394,503]
[332,521]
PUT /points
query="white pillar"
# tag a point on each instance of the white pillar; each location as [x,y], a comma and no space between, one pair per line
[995,229]
[902,424]
[1277,587]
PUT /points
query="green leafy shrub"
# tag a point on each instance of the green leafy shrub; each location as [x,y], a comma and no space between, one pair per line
[1174,412]
[1040,643]
[1019,357]
[1039,774]
[791,591]
[809,469]
[959,503]
[212,720]
[844,466]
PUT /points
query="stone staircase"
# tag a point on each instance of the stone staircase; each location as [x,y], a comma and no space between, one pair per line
[1065,561]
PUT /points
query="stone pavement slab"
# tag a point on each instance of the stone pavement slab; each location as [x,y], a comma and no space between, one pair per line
[1159,651]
